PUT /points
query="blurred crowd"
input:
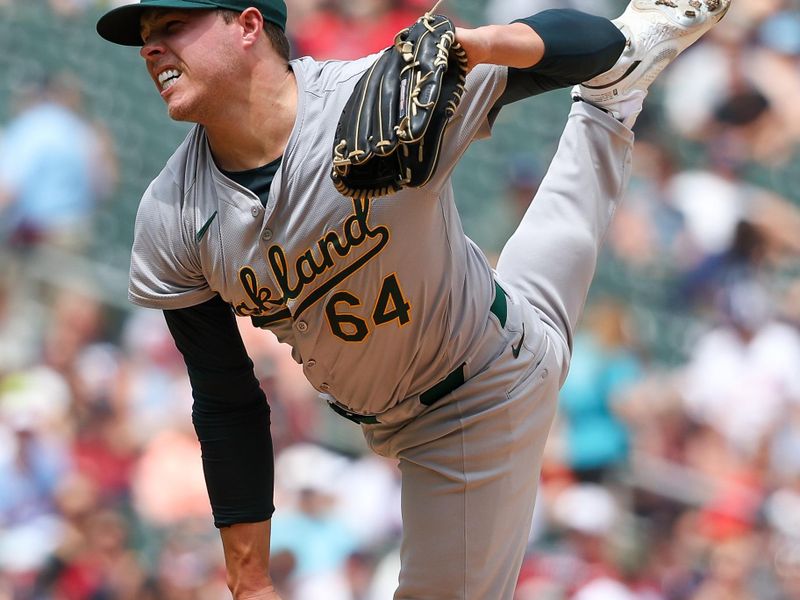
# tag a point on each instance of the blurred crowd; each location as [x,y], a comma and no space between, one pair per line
[662,480]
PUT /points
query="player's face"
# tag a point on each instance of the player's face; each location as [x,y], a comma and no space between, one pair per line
[189,56]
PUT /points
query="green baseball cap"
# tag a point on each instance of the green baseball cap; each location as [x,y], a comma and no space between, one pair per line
[121,25]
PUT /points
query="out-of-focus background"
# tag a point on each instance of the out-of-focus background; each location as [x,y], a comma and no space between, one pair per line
[672,472]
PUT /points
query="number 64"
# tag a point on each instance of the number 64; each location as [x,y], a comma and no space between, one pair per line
[390,305]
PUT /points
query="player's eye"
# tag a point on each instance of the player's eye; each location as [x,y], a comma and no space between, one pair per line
[170,26]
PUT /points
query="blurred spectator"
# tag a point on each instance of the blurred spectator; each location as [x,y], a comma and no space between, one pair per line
[93,561]
[712,204]
[346,30]
[720,223]
[741,102]
[190,563]
[505,11]
[54,168]
[386,576]
[649,230]
[782,511]
[604,363]
[20,322]
[172,455]
[742,378]
[730,571]
[524,178]
[30,471]
[582,559]
[152,378]
[300,10]
[308,528]
[701,223]
[717,272]
[70,8]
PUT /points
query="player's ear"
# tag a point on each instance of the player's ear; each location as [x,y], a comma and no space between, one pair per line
[252,23]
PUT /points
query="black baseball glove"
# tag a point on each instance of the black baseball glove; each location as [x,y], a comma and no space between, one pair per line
[391,128]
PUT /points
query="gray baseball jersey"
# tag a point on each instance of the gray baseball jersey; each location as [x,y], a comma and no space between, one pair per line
[389,288]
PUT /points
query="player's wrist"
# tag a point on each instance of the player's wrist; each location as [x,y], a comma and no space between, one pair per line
[475,43]
[246,549]
[514,45]
[266,592]
[249,584]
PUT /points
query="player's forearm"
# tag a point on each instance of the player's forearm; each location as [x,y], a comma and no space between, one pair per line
[230,413]
[513,45]
[562,46]
[246,547]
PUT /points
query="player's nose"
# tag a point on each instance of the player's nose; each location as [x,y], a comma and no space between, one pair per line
[151,49]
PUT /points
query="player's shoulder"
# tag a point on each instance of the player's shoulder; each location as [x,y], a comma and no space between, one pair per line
[323,77]
[180,171]
[168,207]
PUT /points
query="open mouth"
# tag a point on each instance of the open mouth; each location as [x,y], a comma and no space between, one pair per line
[166,79]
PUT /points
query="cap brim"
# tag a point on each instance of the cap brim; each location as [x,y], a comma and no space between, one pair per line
[122,25]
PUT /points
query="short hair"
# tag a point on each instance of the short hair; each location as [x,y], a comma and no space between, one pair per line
[274,34]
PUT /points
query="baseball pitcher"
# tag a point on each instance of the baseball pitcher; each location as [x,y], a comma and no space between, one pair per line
[314,199]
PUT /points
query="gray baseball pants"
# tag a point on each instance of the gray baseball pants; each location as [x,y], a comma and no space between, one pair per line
[470,465]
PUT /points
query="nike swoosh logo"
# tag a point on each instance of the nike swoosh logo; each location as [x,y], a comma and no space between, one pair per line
[515,349]
[630,70]
[204,228]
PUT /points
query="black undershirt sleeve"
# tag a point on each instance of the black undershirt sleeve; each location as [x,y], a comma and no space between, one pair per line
[578,47]
[230,412]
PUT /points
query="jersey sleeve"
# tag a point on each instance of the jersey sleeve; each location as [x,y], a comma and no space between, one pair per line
[484,86]
[165,268]
[230,413]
